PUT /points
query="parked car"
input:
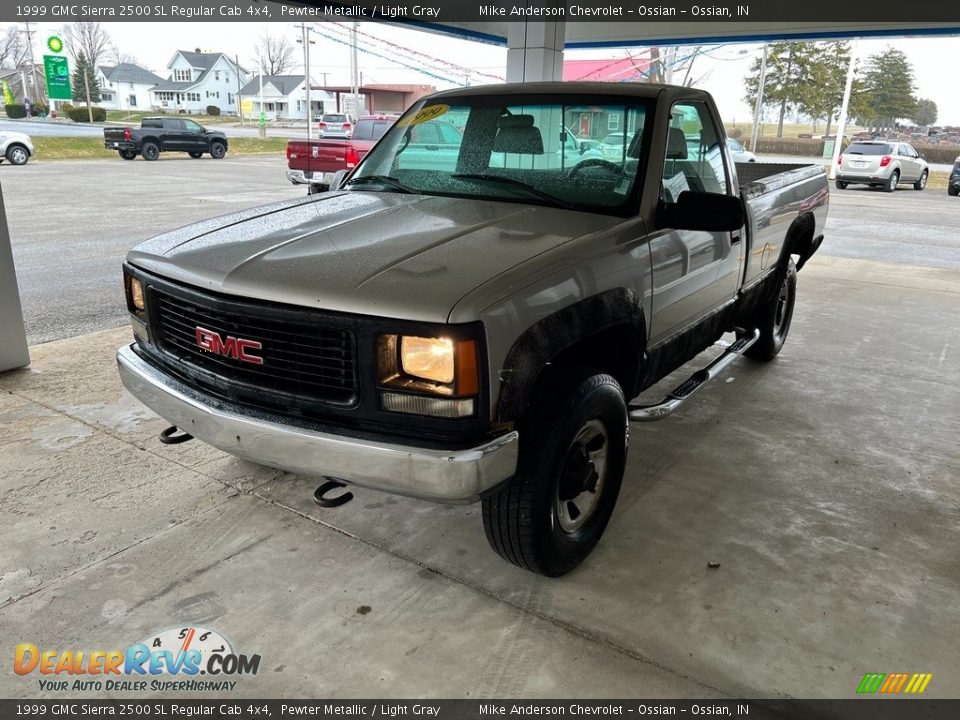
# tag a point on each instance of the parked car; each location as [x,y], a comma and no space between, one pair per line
[16,147]
[474,331]
[953,184]
[335,125]
[739,153]
[881,164]
[314,163]
[165,134]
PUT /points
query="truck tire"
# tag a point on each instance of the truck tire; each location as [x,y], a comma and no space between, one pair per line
[922,182]
[773,319]
[953,190]
[892,183]
[150,151]
[195,154]
[314,189]
[841,185]
[17,154]
[217,150]
[573,449]
[127,154]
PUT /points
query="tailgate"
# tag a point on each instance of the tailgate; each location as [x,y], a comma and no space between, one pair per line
[115,134]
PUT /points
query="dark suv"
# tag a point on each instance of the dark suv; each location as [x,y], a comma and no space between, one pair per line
[953,184]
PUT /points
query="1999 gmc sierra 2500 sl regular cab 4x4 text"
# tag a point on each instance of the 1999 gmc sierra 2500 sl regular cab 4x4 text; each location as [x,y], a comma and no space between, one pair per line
[472,326]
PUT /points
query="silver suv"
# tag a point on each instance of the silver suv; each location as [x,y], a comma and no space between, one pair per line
[882,164]
[335,125]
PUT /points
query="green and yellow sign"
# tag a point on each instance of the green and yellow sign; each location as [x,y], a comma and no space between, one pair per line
[57,70]
[55,44]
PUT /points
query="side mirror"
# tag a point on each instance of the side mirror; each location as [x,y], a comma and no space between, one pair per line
[338,177]
[709,212]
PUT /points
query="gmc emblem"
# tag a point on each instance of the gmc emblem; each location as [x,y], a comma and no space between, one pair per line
[230,346]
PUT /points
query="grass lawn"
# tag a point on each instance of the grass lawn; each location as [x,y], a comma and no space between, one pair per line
[70,148]
[135,117]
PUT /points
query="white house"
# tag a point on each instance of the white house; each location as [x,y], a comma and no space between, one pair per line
[284,98]
[198,79]
[125,86]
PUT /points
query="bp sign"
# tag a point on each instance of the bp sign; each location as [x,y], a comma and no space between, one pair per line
[58,77]
[55,44]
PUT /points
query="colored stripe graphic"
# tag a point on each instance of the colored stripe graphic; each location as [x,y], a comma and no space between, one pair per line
[871,682]
[894,683]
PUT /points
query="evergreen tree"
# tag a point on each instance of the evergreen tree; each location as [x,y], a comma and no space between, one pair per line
[926,113]
[82,67]
[822,96]
[788,77]
[888,89]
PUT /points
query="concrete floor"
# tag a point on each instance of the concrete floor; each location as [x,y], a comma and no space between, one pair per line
[824,483]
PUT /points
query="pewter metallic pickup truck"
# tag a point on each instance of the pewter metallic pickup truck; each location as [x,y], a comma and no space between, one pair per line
[473,326]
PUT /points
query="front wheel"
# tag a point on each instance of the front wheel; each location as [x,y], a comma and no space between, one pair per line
[953,190]
[217,150]
[573,449]
[773,319]
[893,181]
[17,155]
[922,182]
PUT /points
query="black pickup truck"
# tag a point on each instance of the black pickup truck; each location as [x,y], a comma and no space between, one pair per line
[165,134]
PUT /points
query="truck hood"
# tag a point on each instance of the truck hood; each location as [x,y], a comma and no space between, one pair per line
[375,253]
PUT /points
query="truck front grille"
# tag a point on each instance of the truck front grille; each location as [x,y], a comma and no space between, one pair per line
[302,359]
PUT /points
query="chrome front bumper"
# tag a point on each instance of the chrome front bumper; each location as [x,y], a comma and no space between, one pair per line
[454,476]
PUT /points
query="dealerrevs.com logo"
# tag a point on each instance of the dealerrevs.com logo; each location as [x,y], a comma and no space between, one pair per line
[176,660]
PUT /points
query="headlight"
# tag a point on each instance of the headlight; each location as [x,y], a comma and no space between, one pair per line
[428,358]
[441,367]
[134,291]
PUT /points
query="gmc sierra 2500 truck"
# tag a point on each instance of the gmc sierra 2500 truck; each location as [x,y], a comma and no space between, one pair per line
[473,326]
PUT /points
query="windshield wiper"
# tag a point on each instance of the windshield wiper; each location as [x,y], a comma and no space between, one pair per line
[519,184]
[383,180]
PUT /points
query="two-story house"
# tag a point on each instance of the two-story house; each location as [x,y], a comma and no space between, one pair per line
[126,86]
[198,79]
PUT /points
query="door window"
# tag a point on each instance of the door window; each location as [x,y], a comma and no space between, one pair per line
[192,127]
[694,158]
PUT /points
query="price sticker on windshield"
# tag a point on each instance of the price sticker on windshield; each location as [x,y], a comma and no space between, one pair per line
[431,112]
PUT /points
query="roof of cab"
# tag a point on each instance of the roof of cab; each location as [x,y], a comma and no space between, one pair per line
[641,90]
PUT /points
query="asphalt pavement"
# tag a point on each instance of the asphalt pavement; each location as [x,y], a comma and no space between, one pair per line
[72,223]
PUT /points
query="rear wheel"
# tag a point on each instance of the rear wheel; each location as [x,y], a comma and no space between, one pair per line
[217,149]
[893,181]
[17,155]
[196,155]
[573,450]
[953,190]
[314,189]
[922,182]
[841,185]
[127,154]
[150,151]
[773,319]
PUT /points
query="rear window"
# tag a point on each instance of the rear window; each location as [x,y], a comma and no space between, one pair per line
[371,129]
[335,118]
[616,139]
[870,149]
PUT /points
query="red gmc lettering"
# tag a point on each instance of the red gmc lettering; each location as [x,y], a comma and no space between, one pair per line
[233,347]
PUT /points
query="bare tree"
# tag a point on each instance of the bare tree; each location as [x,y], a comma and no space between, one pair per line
[274,54]
[90,38]
[118,56]
[14,50]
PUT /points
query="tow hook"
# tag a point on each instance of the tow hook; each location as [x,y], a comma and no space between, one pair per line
[331,502]
[169,436]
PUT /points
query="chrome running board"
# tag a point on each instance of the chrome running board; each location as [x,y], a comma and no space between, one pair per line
[676,397]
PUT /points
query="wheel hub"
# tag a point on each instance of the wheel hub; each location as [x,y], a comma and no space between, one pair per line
[581,477]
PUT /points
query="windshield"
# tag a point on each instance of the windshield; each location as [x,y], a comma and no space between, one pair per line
[481,148]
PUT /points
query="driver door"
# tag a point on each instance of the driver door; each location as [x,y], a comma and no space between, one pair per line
[694,272]
[193,138]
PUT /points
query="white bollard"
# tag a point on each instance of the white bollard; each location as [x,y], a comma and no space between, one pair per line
[13,336]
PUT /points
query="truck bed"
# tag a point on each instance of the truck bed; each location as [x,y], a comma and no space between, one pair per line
[759,178]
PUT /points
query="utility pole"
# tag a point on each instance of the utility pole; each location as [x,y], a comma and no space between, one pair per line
[86,84]
[844,110]
[353,68]
[307,42]
[33,65]
[262,119]
[236,58]
[759,104]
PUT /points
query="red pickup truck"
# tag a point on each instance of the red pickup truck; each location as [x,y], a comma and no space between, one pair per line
[313,163]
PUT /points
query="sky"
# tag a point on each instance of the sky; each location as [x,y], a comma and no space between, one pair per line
[721,72]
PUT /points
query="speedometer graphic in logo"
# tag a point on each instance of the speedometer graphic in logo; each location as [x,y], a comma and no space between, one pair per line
[182,640]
